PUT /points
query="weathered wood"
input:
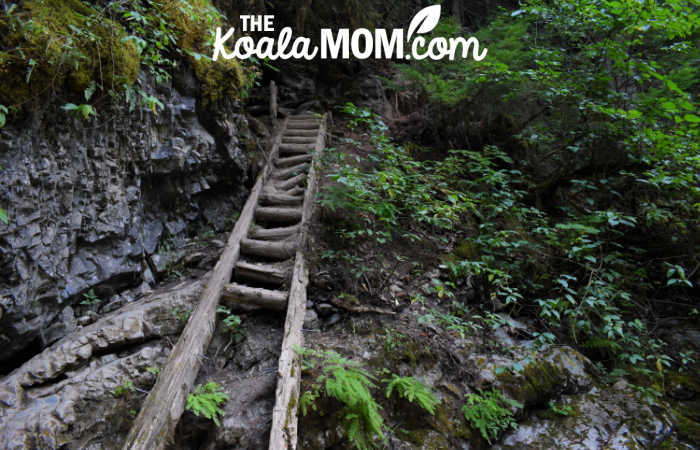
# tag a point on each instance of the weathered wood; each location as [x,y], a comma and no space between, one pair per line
[265,234]
[269,249]
[277,273]
[289,183]
[165,403]
[303,125]
[298,139]
[279,214]
[296,148]
[273,100]
[296,190]
[292,160]
[274,199]
[266,298]
[306,116]
[294,170]
[298,133]
[283,434]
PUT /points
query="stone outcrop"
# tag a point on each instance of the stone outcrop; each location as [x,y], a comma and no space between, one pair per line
[91,204]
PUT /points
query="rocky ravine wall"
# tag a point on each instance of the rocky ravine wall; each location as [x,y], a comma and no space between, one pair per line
[89,202]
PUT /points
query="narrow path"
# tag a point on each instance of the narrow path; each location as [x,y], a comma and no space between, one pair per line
[265,257]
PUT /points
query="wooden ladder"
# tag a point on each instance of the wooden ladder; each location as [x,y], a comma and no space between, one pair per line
[265,248]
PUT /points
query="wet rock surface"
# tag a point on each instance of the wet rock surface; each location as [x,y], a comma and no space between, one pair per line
[92,205]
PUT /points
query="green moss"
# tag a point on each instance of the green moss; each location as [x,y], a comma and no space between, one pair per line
[689,382]
[467,250]
[194,21]
[538,382]
[687,429]
[70,42]
[425,439]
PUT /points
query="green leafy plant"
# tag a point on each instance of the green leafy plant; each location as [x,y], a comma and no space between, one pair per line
[3,115]
[181,314]
[90,298]
[84,110]
[488,412]
[345,381]
[207,400]
[563,410]
[412,390]
[153,370]
[232,323]
[124,388]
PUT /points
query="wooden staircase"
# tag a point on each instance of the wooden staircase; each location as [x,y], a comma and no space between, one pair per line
[263,265]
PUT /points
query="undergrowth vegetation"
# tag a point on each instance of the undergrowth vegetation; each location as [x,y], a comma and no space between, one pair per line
[350,384]
[489,413]
[594,227]
[207,400]
[575,271]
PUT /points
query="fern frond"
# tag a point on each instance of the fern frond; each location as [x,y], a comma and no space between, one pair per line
[412,389]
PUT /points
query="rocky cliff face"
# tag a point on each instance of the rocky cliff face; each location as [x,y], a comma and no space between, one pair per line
[90,202]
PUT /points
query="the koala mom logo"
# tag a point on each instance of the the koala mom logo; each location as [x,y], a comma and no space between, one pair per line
[361,43]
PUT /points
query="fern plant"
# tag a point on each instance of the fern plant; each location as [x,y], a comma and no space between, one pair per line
[412,389]
[348,383]
[206,400]
[488,412]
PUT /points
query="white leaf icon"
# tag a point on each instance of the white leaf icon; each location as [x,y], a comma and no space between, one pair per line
[424,21]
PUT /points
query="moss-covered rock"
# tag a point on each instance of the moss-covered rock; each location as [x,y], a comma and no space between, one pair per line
[687,429]
[48,43]
[195,21]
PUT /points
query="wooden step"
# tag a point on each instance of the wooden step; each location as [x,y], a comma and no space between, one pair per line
[296,190]
[273,273]
[296,148]
[291,171]
[305,117]
[266,298]
[299,133]
[264,234]
[277,214]
[274,199]
[302,125]
[293,160]
[290,182]
[299,140]
[269,249]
